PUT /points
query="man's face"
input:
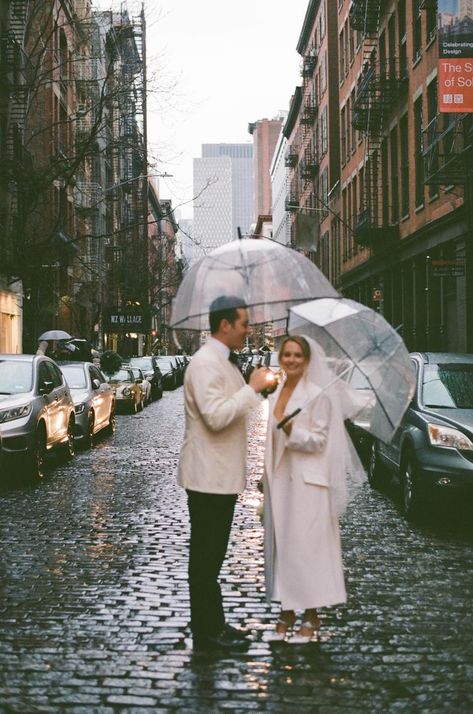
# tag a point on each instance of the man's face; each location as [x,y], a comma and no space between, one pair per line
[237,333]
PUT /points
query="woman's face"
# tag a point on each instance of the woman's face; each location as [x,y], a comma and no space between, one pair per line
[292,359]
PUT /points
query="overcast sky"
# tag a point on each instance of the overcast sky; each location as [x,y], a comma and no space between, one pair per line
[214,66]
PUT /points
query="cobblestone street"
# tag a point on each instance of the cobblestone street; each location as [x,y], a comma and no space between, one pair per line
[94,603]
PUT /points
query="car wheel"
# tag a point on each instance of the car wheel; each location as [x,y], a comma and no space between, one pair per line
[69,445]
[375,470]
[38,458]
[409,488]
[89,437]
[112,422]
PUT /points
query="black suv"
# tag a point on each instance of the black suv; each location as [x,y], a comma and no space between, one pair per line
[432,451]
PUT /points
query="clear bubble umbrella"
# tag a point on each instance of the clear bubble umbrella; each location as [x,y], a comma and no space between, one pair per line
[364,351]
[268,276]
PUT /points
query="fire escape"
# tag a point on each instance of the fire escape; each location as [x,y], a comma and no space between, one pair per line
[380,87]
[15,160]
[127,253]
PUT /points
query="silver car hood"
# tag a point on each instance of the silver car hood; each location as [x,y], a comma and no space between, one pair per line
[8,401]
[79,396]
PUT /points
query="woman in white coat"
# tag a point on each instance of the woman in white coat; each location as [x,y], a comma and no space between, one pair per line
[306,463]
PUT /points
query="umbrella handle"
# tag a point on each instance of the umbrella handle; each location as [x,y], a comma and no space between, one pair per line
[284,421]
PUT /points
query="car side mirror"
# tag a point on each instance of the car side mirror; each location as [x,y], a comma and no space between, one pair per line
[45,387]
[96,384]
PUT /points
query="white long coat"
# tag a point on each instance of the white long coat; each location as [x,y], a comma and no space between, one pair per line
[303,563]
[217,401]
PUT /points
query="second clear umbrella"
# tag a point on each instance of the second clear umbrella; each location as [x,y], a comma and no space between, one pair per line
[364,351]
[268,276]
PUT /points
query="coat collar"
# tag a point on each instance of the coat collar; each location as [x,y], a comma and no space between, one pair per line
[303,392]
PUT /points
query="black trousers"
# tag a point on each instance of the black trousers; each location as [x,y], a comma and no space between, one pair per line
[211,518]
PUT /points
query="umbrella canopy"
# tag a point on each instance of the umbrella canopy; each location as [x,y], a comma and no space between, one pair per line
[364,350]
[55,335]
[268,276]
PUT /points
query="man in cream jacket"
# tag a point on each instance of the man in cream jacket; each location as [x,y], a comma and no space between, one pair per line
[212,464]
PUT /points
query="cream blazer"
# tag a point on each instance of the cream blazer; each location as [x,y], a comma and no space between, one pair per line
[304,451]
[217,402]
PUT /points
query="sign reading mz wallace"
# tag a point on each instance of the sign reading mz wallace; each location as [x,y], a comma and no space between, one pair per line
[455,68]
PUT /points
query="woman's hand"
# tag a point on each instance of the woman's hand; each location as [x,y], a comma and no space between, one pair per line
[287,428]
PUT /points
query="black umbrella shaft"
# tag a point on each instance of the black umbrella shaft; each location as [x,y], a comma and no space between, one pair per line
[284,421]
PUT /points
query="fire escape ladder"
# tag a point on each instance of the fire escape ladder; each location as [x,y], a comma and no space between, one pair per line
[376,90]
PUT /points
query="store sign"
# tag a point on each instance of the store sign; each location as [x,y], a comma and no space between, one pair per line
[448,267]
[455,67]
[124,320]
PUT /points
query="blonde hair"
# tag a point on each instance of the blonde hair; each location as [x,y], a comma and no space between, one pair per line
[301,341]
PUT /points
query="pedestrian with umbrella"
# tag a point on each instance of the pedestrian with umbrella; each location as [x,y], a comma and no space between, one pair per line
[305,490]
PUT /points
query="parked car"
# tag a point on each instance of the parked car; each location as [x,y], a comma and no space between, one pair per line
[128,394]
[36,411]
[432,451]
[150,368]
[169,371]
[93,397]
[144,384]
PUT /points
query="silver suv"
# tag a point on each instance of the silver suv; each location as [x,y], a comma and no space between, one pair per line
[36,412]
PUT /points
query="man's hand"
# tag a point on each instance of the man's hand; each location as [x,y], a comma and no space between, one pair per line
[260,379]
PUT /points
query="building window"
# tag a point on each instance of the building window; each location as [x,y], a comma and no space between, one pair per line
[353,133]
[322,22]
[343,136]
[417,29]
[431,19]
[404,166]
[347,50]
[325,254]
[323,192]
[323,74]
[419,160]
[348,128]
[394,177]
[432,114]
[323,131]
[352,44]
[345,223]
[341,59]
[352,221]
[401,19]
[385,182]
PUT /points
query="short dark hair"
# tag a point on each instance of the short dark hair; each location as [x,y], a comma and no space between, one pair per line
[224,307]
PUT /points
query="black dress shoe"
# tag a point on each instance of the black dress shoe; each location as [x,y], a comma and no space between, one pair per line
[220,642]
[235,633]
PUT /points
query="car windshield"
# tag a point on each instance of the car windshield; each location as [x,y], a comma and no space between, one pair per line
[123,375]
[165,364]
[142,362]
[75,377]
[15,377]
[448,386]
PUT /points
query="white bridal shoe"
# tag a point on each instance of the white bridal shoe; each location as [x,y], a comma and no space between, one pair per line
[282,635]
[299,639]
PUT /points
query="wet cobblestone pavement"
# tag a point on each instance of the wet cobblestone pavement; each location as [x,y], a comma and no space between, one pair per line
[94,604]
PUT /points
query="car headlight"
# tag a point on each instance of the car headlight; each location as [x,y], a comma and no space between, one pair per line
[448,438]
[14,413]
[79,408]
[126,392]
